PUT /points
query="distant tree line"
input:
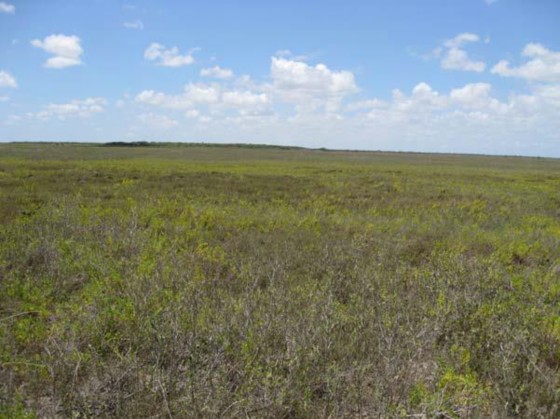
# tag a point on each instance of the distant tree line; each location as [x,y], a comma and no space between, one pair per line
[173,144]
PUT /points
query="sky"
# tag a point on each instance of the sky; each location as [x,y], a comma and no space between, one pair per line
[460,76]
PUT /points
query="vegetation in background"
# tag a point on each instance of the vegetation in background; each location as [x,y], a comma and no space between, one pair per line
[262,282]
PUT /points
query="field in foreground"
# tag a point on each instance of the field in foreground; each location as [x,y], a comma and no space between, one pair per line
[235,282]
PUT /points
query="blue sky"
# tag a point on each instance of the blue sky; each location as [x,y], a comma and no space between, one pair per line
[474,76]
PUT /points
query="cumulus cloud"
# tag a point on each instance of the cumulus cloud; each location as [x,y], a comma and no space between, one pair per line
[423,99]
[472,103]
[136,24]
[313,105]
[246,103]
[543,65]
[425,102]
[465,119]
[193,94]
[477,96]
[290,75]
[469,118]
[155,121]
[198,93]
[309,88]
[168,57]
[238,98]
[7,80]
[366,105]
[66,50]
[454,56]
[74,109]
[217,72]
[7,8]
[550,93]
[210,98]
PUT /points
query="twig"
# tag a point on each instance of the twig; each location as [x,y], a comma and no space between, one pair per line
[166,403]
[18,315]
[29,364]
[230,406]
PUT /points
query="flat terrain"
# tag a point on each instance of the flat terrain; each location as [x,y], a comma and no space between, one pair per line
[264,282]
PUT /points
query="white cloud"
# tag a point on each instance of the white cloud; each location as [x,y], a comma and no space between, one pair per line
[244,98]
[66,50]
[426,103]
[423,100]
[157,121]
[7,80]
[202,94]
[196,115]
[420,120]
[192,114]
[12,120]
[543,65]
[74,109]
[366,105]
[310,88]
[454,57]
[246,103]
[7,8]
[192,95]
[312,105]
[217,72]
[168,57]
[289,75]
[477,96]
[215,99]
[469,109]
[151,97]
[424,95]
[471,94]
[465,119]
[289,55]
[136,24]
[549,93]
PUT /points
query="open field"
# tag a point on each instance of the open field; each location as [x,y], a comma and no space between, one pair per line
[265,282]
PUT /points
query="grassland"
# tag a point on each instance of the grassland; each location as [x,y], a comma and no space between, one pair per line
[254,282]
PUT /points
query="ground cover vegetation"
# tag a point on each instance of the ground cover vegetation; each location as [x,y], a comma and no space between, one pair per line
[267,282]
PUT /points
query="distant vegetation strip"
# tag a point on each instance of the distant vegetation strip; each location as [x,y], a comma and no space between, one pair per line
[172,144]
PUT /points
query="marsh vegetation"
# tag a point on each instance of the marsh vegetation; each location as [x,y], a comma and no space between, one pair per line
[255,282]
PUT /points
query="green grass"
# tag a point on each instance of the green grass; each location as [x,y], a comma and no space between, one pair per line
[267,282]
